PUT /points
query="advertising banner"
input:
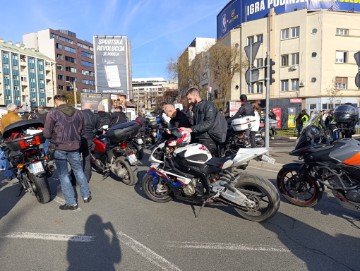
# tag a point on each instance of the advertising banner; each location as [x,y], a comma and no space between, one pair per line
[291,117]
[95,99]
[237,12]
[277,112]
[112,64]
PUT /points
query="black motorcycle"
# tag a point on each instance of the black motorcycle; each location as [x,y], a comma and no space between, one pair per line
[23,143]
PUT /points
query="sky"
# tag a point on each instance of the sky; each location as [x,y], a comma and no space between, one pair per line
[159,30]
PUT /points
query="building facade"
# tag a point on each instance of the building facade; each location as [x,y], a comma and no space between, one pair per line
[146,91]
[28,77]
[74,57]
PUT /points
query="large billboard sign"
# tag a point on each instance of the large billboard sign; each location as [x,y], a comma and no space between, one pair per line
[237,12]
[112,64]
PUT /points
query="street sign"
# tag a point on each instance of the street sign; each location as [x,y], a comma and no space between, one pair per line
[254,76]
[357,77]
[251,51]
[357,58]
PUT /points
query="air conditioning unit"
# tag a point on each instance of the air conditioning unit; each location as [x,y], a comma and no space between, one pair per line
[292,68]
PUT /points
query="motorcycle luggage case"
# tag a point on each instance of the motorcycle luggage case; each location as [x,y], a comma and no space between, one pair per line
[123,131]
[243,123]
[16,136]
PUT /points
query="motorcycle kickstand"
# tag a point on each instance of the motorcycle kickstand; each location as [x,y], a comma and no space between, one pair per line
[106,174]
[198,213]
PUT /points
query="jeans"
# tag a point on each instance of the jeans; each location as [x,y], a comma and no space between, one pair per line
[61,160]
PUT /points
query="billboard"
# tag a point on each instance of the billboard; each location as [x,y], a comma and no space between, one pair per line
[112,64]
[237,12]
[94,99]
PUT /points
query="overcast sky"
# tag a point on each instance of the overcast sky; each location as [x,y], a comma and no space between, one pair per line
[158,29]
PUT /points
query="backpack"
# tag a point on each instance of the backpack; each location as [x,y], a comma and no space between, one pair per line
[218,131]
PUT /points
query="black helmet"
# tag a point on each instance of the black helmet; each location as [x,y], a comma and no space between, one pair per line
[346,114]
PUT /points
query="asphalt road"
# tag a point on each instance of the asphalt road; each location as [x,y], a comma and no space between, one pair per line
[120,229]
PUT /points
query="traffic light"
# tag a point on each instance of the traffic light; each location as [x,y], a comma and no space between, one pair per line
[272,71]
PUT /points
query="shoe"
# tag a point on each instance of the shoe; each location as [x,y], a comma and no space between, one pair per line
[68,207]
[87,200]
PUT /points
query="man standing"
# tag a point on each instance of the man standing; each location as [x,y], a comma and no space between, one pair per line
[118,116]
[11,117]
[91,122]
[104,117]
[204,114]
[64,126]
[177,118]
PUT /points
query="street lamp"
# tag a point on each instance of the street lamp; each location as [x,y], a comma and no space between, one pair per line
[74,89]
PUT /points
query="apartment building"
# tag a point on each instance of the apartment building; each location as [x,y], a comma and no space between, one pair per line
[27,77]
[74,57]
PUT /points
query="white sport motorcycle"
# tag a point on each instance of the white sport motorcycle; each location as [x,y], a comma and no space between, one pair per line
[189,172]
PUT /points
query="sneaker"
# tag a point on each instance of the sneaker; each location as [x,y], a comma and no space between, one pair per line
[68,207]
[87,200]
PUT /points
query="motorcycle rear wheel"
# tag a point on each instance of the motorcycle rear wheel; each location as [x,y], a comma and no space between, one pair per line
[263,193]
[302,192]
[40,187]
[150,190]
[122,169]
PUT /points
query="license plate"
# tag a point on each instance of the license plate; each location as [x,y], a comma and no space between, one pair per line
[268,159]
[139,141]
[132,159]
[36,168]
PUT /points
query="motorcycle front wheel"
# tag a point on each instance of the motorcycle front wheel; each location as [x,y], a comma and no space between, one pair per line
[155,189]
[262,192]
[303,192]
[40,187]
[122,169]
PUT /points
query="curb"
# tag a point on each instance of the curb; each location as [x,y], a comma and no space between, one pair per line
[265,165]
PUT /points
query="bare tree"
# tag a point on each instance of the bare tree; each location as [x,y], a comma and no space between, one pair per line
[224,63]
[334,92]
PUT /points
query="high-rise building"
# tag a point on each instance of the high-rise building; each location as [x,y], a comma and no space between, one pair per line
[27,76]
[74,57]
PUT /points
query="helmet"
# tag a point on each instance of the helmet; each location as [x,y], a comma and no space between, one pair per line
[346,114]
[183,138]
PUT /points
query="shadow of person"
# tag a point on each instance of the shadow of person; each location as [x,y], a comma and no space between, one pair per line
[315,248]
[99,251]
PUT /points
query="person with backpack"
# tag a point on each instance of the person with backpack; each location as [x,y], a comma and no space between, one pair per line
[204,115]
[104,117]
[118,116]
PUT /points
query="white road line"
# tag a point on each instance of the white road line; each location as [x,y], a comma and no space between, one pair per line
[226,246]
[147,253]
[51,237]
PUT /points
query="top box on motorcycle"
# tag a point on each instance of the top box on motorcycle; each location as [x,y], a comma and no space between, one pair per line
[17,138]
[123,131]
[243,123]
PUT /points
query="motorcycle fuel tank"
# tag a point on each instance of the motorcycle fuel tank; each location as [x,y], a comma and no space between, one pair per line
[100,147]
[194,153]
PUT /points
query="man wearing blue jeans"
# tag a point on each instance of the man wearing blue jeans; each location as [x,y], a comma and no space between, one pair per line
[64,126]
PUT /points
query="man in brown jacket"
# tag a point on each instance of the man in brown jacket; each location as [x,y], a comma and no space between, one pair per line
[11,117]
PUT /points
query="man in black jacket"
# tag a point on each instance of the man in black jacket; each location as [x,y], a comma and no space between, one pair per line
[118,116]
[91,122]
[104,117]
[178,118]
[204,114]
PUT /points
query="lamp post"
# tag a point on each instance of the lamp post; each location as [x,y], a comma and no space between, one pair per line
[74,89]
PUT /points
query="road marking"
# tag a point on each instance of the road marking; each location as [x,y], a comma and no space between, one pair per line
[147,253]
[226,246]
[51,237]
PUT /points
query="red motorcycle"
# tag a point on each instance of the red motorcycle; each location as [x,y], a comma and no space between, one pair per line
[117,150]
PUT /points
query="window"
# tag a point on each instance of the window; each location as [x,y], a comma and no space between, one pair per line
[295,32]
[86,54]
[341,57]
[250,40]
[58,46]
[70,49]
[259,87]
[70,59]
[284,85]
[260,38]
[294,84]
[70,69]
[259,62]
[295,59]
[284,34]
[87,64]
[342,32]
[284,60]
[60,77]
[59,56]
[59,67]
[341,82]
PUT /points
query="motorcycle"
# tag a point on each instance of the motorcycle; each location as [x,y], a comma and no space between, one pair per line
[23,145]
[238,136]
[189,172]
[118,150]
[326,164]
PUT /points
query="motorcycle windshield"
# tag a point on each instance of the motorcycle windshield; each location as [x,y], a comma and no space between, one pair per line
[310,130]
